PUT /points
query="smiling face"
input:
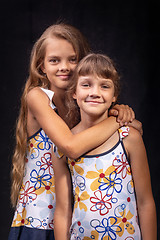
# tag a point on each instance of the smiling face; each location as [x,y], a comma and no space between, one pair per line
[59,62]
[94,96]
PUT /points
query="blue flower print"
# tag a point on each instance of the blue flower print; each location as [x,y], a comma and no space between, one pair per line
[34,222]
[44,141]
[34,153]
[80,182]
[107,227]
[39,178]
[111,184]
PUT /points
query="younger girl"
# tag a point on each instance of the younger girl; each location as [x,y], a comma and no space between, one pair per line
[110,182]
[53,59]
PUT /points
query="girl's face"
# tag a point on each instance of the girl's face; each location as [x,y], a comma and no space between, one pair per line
[59,62]
[94,95]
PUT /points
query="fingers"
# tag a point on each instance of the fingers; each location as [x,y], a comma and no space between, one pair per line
[113,112]
[137,125]
[125,114]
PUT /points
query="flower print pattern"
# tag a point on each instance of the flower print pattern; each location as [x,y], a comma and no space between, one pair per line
[47,188]
[27,192]
[46,209]
[81,224]
[74,165]
[121,165]
[123,131]
[36,202]
[128,199]
[104,193]
[80,198]
[19,218]
[98,176]
[39,178]
[43,141]
[94,235]
[101,203]
[80,182]
[107,227]
[124,222]
[111,184]
[46,163]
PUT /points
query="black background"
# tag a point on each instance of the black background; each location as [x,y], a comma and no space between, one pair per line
[127,31]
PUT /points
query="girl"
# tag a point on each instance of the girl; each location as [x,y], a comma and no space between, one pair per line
[53,59]
[111,181]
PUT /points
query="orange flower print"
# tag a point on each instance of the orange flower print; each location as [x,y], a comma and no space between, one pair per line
[98,176]
[20,219]
[94,235]
[47,188]
[124,222]
[79,198]
[74,165]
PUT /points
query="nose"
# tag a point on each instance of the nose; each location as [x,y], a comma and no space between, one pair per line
[64,66]
[94,92]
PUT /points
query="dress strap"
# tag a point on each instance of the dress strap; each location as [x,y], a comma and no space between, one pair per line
[123,132]
[50,94]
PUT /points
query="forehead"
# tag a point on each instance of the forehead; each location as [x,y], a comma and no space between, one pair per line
[57,46]
[95,78]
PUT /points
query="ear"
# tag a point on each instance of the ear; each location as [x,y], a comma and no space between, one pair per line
[43,68]
[74,96]
[114,99]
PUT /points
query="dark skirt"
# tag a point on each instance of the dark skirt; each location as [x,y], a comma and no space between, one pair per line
[27,233]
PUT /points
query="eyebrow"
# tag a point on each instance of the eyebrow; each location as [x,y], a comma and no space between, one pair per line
[56,56]
[89,78]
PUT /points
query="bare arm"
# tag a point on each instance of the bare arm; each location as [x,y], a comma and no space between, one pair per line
[57,130]
[142,182]
[126,116]
[63,210]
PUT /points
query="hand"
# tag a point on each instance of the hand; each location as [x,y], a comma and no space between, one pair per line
[124,114]
[137,125]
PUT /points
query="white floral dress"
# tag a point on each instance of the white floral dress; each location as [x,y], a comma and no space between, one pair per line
[33,218]
[105,203]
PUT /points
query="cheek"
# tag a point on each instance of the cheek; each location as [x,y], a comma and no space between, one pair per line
[73,67]
[79,96]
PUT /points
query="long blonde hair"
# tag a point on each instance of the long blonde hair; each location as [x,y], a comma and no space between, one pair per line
[37,78]
[93,64]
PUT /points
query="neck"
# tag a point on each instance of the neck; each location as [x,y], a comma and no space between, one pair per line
[59,99]
[89,121]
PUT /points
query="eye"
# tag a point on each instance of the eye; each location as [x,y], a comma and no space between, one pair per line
[73,60]
[105,86]
[85,85]
[54,60]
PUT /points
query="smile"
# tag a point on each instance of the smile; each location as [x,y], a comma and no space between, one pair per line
[94,102]
[64,77]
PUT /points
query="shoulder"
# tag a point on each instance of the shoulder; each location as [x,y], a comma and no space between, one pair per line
[34,92]
[134,140]
[35,95]
[134,135]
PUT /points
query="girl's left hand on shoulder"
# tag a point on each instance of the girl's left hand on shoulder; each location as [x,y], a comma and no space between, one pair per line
[124,114]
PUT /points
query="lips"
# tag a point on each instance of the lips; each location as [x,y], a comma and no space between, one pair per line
[64,77]
[94,102]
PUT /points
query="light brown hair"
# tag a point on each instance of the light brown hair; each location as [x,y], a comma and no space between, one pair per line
[38,78]
[93,64]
